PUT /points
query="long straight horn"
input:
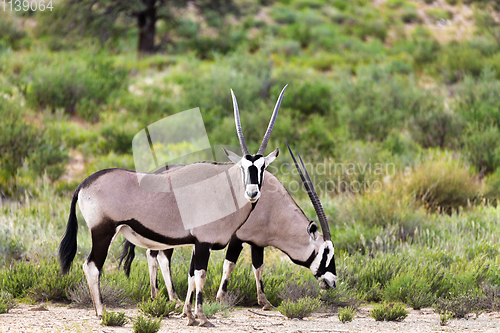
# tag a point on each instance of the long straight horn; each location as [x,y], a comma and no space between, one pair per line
[313,195]
[243,145]
[263,145]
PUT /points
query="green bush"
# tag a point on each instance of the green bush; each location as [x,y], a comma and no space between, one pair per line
[146,325]
[6,302]
[22,142]
[211,308]
[477,99]
[158,307]
[442,182]
[76,86]
[10,34]
[301,308]
[459,59]
[408,288]
[347,314]
[389,312]
[460,306]
[113,318]
[482,148]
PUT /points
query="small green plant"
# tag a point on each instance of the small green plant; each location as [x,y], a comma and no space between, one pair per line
[146,325]
[6,302]
[444,317]
[158,307]
[113,318]
[301,308]
[347,314]
[211,308]
[461,305]
[389,312]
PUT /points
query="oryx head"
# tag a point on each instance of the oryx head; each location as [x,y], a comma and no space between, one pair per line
[253,166]
[323,264]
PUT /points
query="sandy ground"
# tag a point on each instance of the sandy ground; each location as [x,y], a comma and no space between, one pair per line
[59,318]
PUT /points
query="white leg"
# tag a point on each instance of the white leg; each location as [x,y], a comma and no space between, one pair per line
[261,297]
[153,273]
[187,305]
[167,276]
[227,269]
[200,277]
[92,274]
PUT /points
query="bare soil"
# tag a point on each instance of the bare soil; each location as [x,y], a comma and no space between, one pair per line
[63,318]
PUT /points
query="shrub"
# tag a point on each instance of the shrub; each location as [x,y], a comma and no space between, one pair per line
[483,150]
[458,60]
[40,280]
[492,186]
[10,35]
[146,325]
[477,99]
[113,318]
[442,182]
[389,312]
[112,295]
[436,128]
[301,308]
[410,289]
[75,86]
[460,305]
[158,307]
[211,308]
[347,314]
[298,289]
[444,317]
[6,302]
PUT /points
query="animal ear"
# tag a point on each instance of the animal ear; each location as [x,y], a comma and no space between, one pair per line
[312,229]
[271,157]
[232,156]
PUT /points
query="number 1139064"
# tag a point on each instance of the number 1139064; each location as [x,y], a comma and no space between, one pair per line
[25,5]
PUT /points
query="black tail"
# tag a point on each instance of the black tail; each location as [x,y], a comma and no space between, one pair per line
[128,253]
[67,249]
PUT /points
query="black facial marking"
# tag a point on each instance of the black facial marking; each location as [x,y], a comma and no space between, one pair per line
[253,174]
[306,263]
[322,269]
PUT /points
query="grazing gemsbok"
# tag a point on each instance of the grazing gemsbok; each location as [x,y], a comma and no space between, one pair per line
[276,221]
[112,201]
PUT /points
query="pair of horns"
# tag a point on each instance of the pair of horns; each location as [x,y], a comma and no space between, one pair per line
[313,195]
[263,145]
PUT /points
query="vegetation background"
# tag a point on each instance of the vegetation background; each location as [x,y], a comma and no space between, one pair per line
[401,97]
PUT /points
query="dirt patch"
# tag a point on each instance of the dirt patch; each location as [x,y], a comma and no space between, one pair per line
[59,318]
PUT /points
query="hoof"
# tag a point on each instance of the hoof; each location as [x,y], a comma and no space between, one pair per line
[267,307]
[192,322]
[206,324]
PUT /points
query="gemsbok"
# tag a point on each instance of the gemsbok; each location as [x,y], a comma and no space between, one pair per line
[276,221]
[112,201]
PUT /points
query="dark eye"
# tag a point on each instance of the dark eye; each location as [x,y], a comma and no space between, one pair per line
[312,228]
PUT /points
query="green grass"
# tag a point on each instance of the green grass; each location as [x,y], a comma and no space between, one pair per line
[300,308]
[347,314]
[158,307]
[113,318]
[146,325]
[389,312]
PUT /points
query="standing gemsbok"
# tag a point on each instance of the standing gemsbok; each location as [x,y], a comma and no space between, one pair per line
[112,201]
[276,221]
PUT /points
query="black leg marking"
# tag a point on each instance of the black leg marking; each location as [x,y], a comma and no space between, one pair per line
[200,298]
[234,249]
[224,286]
[257,256]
